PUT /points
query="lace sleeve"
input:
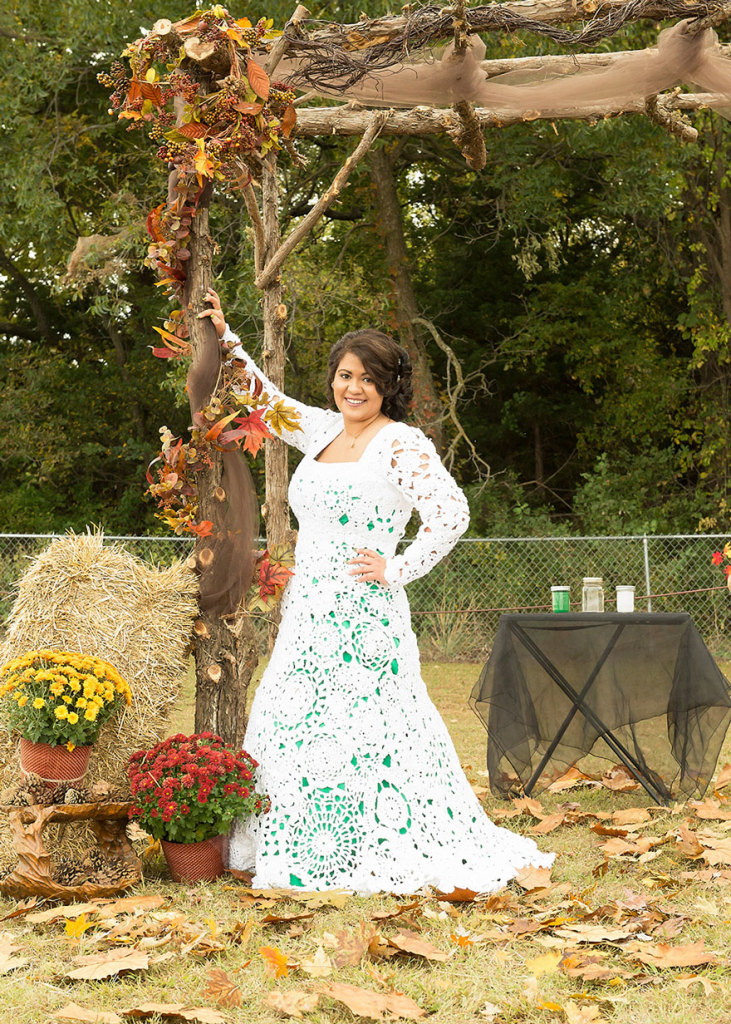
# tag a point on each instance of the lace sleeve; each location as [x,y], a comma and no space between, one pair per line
[416,469]
[311,418]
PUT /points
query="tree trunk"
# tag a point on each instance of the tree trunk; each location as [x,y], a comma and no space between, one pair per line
[389,224]
[274,312]
[224,648]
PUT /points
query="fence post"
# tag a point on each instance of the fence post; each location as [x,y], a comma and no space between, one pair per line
[646,553]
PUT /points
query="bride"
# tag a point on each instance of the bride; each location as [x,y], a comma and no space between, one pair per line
[366,788]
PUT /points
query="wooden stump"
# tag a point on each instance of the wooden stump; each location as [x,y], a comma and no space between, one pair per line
[32,876]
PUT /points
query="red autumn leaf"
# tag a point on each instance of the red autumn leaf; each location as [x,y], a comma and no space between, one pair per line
[272,576]
[218,426]
[255,431]
[164,353]
[175,272]
[248,108]
[151,92]
[135,91]
[289,120]
[258,78]
[204,529]
[153,223]
[193,130]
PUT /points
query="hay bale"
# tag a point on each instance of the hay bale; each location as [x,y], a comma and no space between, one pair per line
[82,595]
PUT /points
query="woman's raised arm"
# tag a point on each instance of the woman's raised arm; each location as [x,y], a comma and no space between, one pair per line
[311,418]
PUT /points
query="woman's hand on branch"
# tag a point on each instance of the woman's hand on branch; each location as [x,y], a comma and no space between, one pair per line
[370,566]
[215,312]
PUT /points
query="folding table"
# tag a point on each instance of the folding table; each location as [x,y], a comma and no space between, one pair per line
[641,689]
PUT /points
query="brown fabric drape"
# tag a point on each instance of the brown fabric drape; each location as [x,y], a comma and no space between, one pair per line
[679,58]
[225,581]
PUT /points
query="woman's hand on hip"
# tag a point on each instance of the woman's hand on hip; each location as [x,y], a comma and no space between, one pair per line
[215,312]
[370,566]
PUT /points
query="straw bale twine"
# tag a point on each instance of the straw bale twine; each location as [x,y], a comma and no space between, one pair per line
[82,595]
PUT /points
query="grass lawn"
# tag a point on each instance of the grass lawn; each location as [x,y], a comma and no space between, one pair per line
[596,943]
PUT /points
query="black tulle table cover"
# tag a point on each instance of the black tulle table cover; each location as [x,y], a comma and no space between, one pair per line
[606,684]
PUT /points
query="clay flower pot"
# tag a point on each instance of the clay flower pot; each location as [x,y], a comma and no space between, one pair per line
[54,763]
[194,862]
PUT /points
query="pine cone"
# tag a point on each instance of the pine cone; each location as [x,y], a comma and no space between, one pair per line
[116,872]
[21,799]
[77,796]
[58,795]
[68,871]
[8,795]
[32,779]
[94,860]
[37,792]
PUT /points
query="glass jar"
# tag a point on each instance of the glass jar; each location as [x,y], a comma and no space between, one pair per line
[592,594]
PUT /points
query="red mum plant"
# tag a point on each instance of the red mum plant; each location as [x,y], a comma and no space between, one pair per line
[189,788]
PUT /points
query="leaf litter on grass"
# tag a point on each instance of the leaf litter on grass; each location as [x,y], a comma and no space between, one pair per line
[590,941]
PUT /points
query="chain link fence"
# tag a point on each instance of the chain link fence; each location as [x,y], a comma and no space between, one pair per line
[457,606]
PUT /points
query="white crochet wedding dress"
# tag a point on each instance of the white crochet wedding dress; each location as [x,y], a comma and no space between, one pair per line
[366,789]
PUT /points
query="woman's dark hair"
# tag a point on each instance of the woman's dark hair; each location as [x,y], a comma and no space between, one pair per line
[385,361]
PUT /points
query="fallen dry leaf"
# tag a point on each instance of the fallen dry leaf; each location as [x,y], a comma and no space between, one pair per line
[222,989]
[411,942]
[366,1003]
[570,780]
[588,968]
[545,964]
[548,824]
[457,895]
[351,947]
[619,779]
[174,1012]
[275,961]
[242,931]
[128,905]
[585,1014]
[72,1013]
[402,908]
[106,965]
[320,966]
[314,900]
[632,816]
[60,913]
[710,810]
[489,1011]
[285,918]
[75,929]
[293,1003]
[530,878]
[8,960]
[24,907]
[715,850]
[663,955]
[596,932]
[723,778]
[526,805]
[686,980]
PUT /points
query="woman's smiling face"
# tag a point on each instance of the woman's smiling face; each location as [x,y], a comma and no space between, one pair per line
[355,392]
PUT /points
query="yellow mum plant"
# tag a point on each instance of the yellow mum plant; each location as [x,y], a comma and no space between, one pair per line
[60,697]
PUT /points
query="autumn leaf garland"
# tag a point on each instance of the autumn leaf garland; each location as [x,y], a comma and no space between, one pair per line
[213,113]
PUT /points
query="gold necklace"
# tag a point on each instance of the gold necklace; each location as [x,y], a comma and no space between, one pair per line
[356,436]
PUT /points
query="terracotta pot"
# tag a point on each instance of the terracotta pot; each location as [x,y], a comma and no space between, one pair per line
[54,764]
[194,862]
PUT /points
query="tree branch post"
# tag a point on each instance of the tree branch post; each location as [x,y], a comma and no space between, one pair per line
[225,649]
[375,122]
